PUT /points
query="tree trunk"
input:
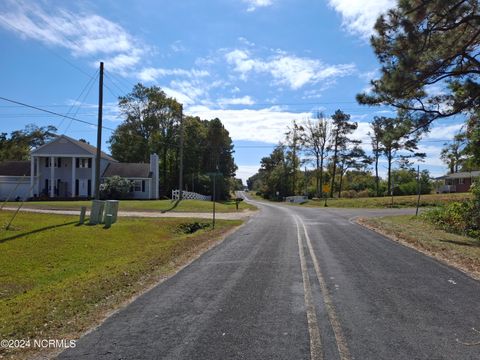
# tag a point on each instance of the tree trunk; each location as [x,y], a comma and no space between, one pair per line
[321,175]
[334,169]
[317,177]
[389,159]
[377,180]
[340,184]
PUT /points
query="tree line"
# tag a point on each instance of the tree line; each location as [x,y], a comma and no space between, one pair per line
[153,125]
[338,165]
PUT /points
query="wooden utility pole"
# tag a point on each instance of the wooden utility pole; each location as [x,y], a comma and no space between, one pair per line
[99,134]
[180,175]
[419,190]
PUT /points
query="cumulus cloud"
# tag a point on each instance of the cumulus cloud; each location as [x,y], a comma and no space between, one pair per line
[266,125]
[289,70]
[254,4]
[359,16]
[81,33]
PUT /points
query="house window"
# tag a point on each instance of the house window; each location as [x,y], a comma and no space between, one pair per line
[57,162]
[461,181]
[137,185]
[84,163]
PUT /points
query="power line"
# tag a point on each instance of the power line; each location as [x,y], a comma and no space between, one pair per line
[53,113]
[90,81]
[83,100]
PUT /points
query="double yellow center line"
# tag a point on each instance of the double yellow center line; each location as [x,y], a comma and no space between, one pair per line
[316,351]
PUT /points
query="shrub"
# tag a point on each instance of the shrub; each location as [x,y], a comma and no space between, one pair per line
[115,187]
[350,194]
[458,217]
[364,193]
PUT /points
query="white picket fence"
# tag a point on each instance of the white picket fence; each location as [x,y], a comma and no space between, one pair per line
[188,195]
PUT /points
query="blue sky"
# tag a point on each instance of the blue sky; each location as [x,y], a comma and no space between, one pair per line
[255,64]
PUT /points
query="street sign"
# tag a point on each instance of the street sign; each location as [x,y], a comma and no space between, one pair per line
[326,188]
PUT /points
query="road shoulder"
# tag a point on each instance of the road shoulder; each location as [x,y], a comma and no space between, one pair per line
[457,251]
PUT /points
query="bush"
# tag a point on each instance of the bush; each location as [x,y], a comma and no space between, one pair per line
[115,188]
[350,194]
[365,193]
[458,217]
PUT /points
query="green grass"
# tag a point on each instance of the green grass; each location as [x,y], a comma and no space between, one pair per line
[57,279]
[144,205]
[459,251]
[386,202]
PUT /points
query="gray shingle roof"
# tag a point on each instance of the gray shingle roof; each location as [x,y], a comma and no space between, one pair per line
[86,147]
[15,168]
[461,175]
[91,149]
[128,170]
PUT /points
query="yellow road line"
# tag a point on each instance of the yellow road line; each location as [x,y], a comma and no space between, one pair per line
[334,322]
[316,352]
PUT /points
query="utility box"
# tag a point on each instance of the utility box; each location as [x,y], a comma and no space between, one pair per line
[111,208]
[96,213]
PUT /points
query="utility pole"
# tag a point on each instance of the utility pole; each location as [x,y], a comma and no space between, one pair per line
[99,133]
[180,175]
[214,198]
[418,189]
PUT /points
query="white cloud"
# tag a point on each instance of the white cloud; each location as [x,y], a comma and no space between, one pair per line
[177,47]
[287,69]
[254,4]
[444,132]
[245,100]
[180,96]
[246,171]
[359,16]
[266,125]
[83,34]
[153,74]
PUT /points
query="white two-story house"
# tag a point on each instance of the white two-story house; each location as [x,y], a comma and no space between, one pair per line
[65,168]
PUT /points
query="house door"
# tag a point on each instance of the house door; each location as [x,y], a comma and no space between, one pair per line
[82,187]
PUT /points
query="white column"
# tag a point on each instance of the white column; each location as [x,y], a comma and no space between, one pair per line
[74,166]
[32,174]
[52,176]
[37,180]
[92,185]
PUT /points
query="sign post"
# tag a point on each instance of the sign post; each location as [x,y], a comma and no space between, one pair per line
[325,190]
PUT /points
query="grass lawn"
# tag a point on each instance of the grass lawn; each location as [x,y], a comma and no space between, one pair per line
[57,279]
[459,251]
[144,205]
[386,202]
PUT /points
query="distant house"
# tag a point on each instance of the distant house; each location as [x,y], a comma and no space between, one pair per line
[65,168]
[457,182]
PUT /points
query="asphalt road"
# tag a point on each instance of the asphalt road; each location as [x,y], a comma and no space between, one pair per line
[299,283]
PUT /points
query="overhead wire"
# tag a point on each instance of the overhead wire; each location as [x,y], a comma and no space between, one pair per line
[82,101]
[76,102]
[52,112]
